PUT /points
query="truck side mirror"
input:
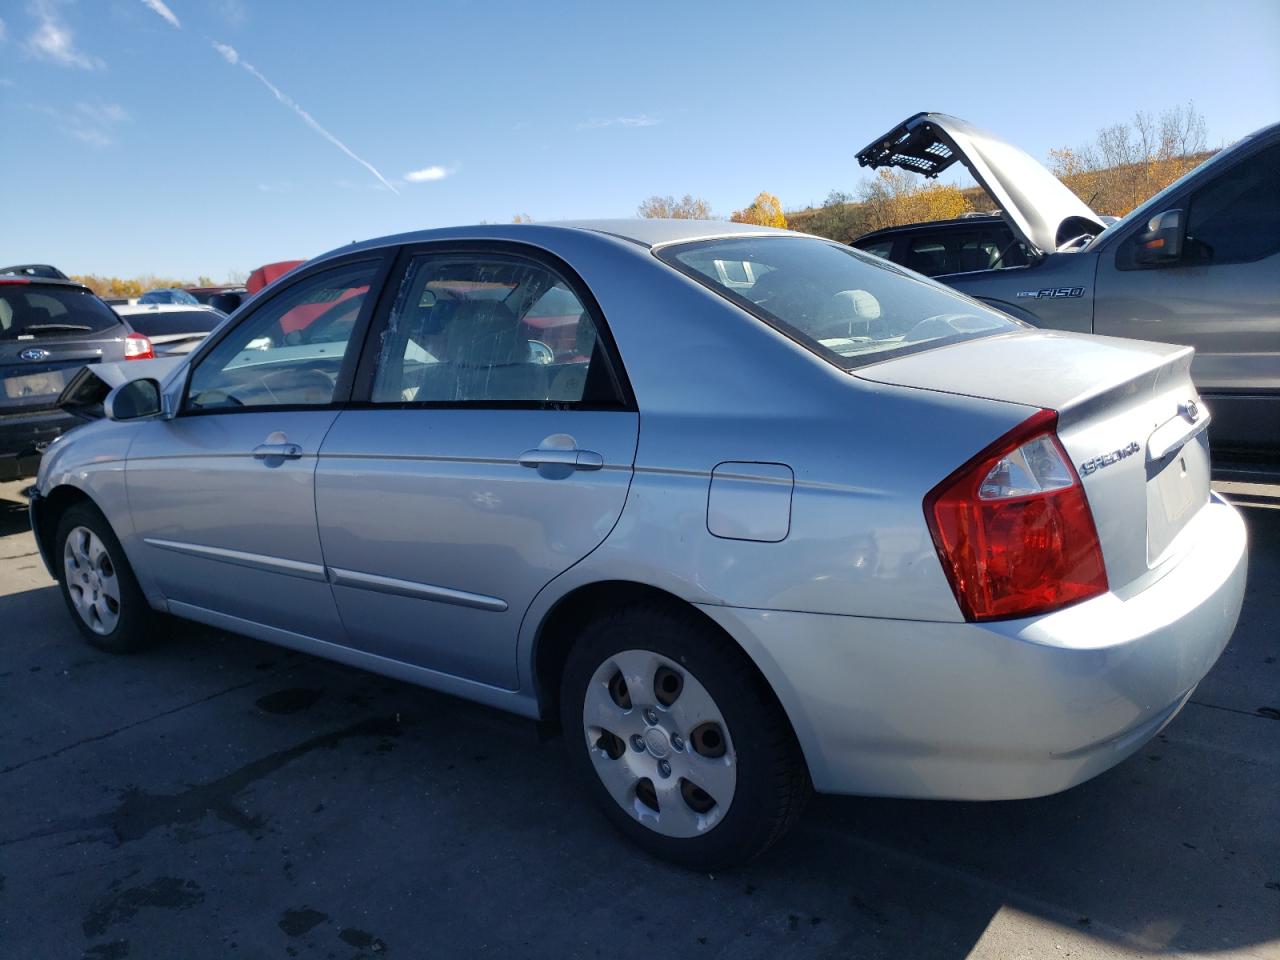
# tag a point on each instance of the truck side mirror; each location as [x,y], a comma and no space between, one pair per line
[1161,242]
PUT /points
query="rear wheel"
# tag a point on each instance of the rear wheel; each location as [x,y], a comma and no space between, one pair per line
[98,584]
[679,738]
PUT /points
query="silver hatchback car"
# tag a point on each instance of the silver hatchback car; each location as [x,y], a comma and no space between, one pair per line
[748,513]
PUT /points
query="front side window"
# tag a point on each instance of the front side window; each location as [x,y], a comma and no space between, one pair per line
[290,350]
[849,308]
[475,329]
[1236,216]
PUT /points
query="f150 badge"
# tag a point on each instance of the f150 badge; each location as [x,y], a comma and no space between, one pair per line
[1053,293]
[1107,459]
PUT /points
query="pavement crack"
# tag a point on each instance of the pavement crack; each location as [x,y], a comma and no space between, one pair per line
[140,812]
[129,726]
[1244,713]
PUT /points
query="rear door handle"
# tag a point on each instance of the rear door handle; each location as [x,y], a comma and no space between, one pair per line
[577,459]
[282,451]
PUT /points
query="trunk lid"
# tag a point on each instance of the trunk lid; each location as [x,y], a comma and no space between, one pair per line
[33,372]
[1128,416]
[1037,205]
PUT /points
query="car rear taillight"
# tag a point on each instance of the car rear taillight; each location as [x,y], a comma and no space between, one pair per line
[138,347]
[1013,528]
[7,281]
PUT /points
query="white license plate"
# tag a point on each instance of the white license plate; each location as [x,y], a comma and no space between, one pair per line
[1176,493]
[35,385]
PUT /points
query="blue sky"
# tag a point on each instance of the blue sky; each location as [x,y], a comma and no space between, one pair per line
[134,144]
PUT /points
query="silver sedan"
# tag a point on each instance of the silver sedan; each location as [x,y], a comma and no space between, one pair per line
[747,513]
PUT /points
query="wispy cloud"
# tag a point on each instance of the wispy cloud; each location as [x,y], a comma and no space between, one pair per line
[284,186]
[640,120]
[426,174]
[53,40]
[4,32]
[159,7]
[91,123]
[232,56]
[7,82]
[232,11]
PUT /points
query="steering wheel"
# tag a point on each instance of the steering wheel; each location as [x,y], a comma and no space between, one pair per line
[938,326]
[304,382]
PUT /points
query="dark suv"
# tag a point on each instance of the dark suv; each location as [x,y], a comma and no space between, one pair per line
[948,246]
[49,329]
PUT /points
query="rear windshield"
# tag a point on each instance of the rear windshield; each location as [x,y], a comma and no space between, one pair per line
[34,312]
[845,306]
[175,321]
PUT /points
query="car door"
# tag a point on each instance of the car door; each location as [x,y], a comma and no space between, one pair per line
[222,495]
[1221,296]
[488,448]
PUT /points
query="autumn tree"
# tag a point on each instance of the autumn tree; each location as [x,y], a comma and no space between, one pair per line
[1128,162]
[522,218]
[765,211]
[840,217]
[895,197]
[687,207]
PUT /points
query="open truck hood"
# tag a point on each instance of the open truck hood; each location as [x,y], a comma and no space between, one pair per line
[1039,208]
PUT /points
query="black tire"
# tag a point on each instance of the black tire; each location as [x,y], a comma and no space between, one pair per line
[772,779]
[137,623]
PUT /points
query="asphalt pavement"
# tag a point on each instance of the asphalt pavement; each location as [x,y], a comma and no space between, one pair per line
[220,797]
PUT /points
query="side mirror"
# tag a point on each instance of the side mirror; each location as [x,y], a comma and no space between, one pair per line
[1161,242]
[135,400]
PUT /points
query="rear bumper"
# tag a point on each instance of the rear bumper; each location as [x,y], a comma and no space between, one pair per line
[24,437]
[1004,710]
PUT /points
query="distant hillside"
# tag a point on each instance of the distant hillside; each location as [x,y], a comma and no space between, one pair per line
[892,198]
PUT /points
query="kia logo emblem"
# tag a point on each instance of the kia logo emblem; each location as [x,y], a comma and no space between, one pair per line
[34,353]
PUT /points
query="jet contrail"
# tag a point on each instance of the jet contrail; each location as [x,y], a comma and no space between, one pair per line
[159,7]
[232,57]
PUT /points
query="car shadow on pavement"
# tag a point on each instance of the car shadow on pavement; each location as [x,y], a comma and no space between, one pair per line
[13,517]
[221,791]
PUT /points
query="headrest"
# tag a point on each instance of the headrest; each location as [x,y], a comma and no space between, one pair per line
[484,333]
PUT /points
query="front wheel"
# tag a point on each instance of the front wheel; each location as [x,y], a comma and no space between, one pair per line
[98,584]
[680,739]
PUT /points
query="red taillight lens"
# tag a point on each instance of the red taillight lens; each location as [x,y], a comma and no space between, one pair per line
[1013,528]
[138,347]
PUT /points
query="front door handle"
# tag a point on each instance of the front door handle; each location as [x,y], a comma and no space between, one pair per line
[574,459]
[280,451]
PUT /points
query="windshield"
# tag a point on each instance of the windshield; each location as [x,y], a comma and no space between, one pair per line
[848,307]
[33,311]
[1140,210]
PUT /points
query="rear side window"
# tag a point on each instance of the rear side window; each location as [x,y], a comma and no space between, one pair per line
[34,312]
[848,308]
[489,330]
[1236,217]
[174,321]
[881,248]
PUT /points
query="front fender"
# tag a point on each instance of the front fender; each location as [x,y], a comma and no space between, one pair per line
[89,463]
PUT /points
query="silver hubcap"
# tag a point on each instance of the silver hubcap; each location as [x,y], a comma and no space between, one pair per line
[91,580]
[659,743]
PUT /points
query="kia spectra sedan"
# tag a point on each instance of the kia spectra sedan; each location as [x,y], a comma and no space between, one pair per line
[746,513]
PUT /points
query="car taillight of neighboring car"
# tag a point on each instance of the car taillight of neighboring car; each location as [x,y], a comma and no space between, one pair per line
[1013,527]
[138,347]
